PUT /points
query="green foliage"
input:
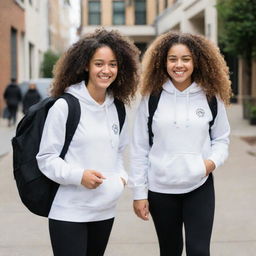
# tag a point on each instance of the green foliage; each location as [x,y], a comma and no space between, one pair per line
[253,112]
[237,21]
[50,58]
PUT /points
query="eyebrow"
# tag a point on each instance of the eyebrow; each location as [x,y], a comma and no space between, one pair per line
[182,55]
[103,60]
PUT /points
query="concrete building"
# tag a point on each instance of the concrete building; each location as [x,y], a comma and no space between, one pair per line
[59,25]
[12,30]
[36,37]
[133,18]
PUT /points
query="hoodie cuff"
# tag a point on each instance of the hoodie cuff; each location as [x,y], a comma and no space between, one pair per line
[212,158]
[76,176]
[140,193]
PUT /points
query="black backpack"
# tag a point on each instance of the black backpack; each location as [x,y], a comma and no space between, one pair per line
[36,191]
[152,106]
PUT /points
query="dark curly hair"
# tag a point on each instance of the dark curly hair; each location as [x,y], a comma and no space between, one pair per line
[70,68]
[210,69]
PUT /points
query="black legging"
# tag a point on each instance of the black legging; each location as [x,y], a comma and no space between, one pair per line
[195,209]
[79,239]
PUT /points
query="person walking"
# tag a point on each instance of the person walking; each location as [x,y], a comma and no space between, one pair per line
[97,69]
[172,178]
[13,97]
[31,97]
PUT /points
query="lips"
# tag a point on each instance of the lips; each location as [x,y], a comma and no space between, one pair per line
[179,73]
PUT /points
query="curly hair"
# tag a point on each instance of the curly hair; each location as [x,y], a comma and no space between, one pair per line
[70,68]
[210,69]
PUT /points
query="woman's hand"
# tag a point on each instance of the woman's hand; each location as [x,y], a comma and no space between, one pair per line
[92,179]
[141,208]
[209,166]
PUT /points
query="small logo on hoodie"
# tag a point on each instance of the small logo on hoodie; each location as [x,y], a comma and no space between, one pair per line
[115,128]
[200,112]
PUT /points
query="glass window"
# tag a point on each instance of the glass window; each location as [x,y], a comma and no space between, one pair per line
[94,12]
[13,47]
[118,12]
[140,12]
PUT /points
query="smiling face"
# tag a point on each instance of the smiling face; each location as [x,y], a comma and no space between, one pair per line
[180,66]
[102,69]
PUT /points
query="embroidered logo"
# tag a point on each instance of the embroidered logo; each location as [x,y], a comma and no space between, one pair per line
[115,128]
[200,112]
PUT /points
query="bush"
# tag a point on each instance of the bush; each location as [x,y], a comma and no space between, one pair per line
[50,58]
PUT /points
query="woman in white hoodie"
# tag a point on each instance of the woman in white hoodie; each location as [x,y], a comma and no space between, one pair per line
[172,179]
[97,69]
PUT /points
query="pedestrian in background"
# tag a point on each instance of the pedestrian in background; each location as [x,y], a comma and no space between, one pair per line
[97,69]
[13,97]
[172,179]
[31,97]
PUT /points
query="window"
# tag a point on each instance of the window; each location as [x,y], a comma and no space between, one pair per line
[140,12]
[94,12]
[31,59]
[13,53]
[118,12]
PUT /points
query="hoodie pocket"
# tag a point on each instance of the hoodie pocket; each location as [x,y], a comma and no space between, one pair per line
[104,196]
[186,169]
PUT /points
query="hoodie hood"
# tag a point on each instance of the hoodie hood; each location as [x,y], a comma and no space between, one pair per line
[193,89]
[81,92]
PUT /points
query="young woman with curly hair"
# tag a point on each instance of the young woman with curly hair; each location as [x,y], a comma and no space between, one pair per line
[97,69]
[172,179]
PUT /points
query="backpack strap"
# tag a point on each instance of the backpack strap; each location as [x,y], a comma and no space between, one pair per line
[120,112]
[74,113]
[213,104]
[152,106]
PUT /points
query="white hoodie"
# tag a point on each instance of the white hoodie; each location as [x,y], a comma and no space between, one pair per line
[96,145]
[174,164]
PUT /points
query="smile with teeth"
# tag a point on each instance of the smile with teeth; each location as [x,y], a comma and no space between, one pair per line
[179,72]
[104,77]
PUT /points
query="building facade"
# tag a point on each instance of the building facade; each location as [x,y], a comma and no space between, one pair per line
[12,30]
[59,25]
[134,18]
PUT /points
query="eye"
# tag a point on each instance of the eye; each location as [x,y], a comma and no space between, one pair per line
[186,59]
[113,65]
[98,64]
[171,59]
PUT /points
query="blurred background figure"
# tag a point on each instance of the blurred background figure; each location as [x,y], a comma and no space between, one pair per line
[31,97]
[12,97]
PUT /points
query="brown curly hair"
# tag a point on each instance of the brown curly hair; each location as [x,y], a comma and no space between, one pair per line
[70,68]
[210,69]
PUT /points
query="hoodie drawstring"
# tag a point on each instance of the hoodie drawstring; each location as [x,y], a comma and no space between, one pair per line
[109,126]
[187,108]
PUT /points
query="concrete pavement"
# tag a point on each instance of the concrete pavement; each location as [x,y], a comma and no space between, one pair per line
[234,233]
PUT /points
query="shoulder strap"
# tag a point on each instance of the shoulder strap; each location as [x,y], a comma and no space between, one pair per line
[74,113]
[152,106]
[214,109]
[121,113]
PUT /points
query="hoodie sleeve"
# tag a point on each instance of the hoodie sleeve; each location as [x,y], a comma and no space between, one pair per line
[52,141]
[140,148]
[220,132]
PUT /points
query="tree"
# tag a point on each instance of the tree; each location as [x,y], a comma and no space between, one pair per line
[50,58]
[237,26]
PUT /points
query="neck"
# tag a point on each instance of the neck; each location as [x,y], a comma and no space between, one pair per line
[98,95]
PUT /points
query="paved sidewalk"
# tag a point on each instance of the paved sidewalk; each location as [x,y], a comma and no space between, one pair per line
[234,234]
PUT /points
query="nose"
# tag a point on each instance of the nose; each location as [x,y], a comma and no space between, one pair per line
[179,63]
[105,68]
